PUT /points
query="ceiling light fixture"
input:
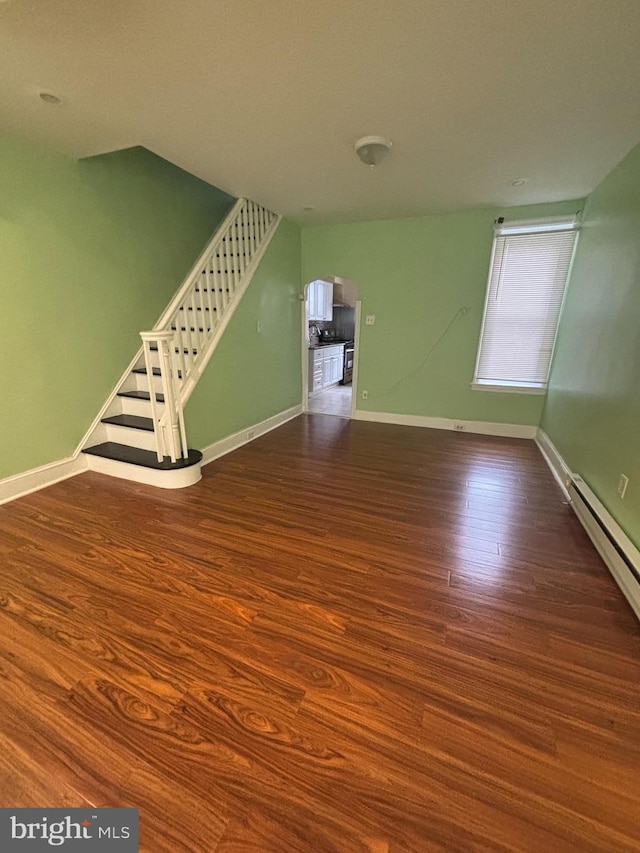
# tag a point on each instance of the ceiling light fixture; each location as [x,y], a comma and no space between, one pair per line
[372,149]
[519,182]
[50,98]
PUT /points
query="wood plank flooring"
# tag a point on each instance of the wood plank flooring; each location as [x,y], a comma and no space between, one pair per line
[347,637]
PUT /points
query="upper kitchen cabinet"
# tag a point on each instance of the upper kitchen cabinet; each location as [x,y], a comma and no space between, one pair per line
[320,300]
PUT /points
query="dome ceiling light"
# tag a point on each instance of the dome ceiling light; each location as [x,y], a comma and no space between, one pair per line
[373,149]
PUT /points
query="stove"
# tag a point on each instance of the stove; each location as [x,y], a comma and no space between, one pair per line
[347,365]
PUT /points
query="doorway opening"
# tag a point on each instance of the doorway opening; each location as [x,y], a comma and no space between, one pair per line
[331,320]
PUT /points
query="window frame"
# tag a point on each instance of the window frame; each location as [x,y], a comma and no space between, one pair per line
[524,227]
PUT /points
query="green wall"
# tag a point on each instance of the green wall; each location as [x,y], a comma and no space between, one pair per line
[93,250]
[592,414]
[91,253]
[253,375]
[415,275]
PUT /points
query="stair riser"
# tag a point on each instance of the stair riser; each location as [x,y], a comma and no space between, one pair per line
[178,479]
[139,407]
[143,439]
[142,383]
[129,383]
[155,359]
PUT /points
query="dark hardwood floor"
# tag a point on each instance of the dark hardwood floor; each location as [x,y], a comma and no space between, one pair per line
[347,637]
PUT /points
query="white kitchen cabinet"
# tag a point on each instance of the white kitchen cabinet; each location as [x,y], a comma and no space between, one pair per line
[325,367]
[316,370]
[312,301]
[326,373]
[320,301]
[327,300]
[336,367]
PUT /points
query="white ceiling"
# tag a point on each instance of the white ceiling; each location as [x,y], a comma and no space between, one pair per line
[265,98]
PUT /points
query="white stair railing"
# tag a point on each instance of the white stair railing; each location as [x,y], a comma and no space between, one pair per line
[187,333]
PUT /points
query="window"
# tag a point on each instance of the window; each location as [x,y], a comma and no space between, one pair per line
[530,263]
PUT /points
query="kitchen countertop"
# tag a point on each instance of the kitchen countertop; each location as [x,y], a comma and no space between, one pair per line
[329,344]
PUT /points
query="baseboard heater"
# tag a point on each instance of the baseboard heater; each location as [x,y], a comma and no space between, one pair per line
[614,546]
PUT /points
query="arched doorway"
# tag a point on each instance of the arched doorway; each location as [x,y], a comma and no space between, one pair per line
[330,346]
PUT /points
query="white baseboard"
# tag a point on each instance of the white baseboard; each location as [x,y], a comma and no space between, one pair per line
[456,425]
[19,485]
[618,552]
[27,482]
[244,436]
[620,555]
[557,465]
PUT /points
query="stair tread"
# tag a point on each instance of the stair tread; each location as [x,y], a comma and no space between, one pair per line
[130,421]
[140,395]
[143,458]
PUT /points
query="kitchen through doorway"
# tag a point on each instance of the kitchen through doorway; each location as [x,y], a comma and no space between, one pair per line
[329,357]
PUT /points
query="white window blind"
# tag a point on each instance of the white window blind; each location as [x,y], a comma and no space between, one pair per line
[529,268]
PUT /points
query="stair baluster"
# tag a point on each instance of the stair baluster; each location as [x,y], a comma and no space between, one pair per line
[188,331]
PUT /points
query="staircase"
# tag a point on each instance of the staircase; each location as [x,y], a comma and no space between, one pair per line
[140,433]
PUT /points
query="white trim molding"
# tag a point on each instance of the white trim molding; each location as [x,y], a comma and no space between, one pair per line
[618,552]
[244,436]
[508,388]
[620,555]
[557,465]
[172,478]
[455,425]
[20,485]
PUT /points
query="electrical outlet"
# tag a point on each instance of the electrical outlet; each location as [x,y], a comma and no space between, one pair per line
[365,395]
[623,482]
[370,319]
[459,427]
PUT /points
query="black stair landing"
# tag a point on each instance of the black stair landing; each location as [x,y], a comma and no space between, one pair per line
[143,458]
[131,421]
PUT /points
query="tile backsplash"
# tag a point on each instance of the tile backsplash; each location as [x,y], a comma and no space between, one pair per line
[344,322]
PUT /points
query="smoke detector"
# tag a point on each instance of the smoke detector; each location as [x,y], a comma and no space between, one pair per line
[373,149]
